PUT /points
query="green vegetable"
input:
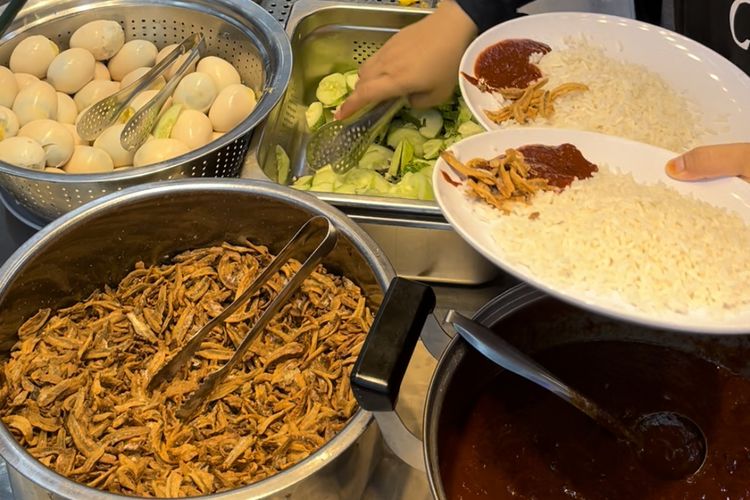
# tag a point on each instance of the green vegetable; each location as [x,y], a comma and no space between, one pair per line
[323,180]
[414,185]
[332,90]
[163,128]
[409,134]
[303,183]
[430,122]
[282,165]
[432,148]
[352,77]
[402,156]
[414,166]
[314,116]
[376,157]
[464,113]
[467,129]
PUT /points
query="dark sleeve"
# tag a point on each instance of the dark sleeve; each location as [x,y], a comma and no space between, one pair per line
[488,13]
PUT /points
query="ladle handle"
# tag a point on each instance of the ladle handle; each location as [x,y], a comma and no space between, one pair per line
[496,349]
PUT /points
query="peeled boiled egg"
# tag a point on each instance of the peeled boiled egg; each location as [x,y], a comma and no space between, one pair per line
[232,105]
[8,87]
[66,108]
[109,141]
[71,70]
[95,91]
[192,128]
[138,73]
[101,72]
[132,55]
[54,170]
[158,150]
[22,152]
[175,65]
[8,123]
[34,102]
[102,38]
[216,135]
[89,160]
[195,91]
[33,55]
[54,139]
[77,141]
[24,80]
[221,72]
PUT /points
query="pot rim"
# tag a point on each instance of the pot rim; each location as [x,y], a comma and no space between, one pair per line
[19,459]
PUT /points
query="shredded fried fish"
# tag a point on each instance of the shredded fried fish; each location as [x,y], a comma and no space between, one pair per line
[501,181]
[531,102]
[75,395]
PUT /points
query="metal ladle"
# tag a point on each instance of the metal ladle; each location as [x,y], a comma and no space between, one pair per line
[668,444]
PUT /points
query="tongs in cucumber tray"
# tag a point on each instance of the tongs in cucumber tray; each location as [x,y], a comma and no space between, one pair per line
[107,111]
[317,227]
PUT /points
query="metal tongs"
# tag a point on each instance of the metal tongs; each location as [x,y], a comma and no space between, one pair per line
[317,227]
[106,112]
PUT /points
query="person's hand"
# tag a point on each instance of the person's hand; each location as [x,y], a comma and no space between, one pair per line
[420,61]
[706,162]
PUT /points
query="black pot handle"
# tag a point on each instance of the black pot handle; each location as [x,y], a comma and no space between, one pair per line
[381,364]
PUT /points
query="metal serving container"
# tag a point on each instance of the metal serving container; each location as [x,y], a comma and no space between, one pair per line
[100,243]
[327,37]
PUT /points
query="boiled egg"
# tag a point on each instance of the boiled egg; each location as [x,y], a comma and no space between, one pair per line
[134,54]
[8,123]
[22,152]
[221,72]
[8,87]
[192,128]
[89,160]
[54,170]
[33,55]
[53,137]
[34,102]
[138,73]
[169,74]
[23,80]
[95,91]
[158,150]
[66,108]
[232,105]
[101,72]
[102,38]
[109,141]
[195,91]
[71,70]
[217,135]
[77,140]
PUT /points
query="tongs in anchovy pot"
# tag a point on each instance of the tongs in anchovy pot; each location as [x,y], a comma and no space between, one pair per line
[317,227]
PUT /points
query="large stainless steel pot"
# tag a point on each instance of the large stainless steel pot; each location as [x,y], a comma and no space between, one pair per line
[100,242]
[461,370]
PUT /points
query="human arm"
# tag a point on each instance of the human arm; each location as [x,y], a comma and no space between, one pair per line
[706,162]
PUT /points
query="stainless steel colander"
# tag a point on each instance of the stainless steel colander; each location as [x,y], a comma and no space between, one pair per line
[239,31]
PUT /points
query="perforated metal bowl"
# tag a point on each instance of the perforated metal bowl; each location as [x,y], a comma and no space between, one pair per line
[240,31]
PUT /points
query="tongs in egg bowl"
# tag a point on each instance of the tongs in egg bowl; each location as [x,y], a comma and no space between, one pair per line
[313,227]
[105,112]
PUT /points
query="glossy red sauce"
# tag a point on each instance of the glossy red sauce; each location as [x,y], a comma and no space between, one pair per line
[506,64]
[560,165]
[516,440]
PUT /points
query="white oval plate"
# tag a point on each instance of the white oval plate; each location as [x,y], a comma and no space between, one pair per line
[719,89]
[645,162]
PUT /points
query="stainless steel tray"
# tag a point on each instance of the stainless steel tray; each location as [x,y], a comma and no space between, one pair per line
[338,36]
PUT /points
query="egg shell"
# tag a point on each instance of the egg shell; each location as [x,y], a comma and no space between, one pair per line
[102,38]
[192,128]
[67,111]
[138,73]
[101,72]
[232,105]
[8,87]
[54,138]
[169,74]
[95,91]
[109,141]
[71,70]
[195,91]
[8,123]
[77,141]
[89,160]
[134,54]
[33,55]
[22,152]
[23,80]
[221,71]
[35,102]
[159,150]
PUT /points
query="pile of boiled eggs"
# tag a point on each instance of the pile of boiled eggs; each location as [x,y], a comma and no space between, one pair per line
[46,91]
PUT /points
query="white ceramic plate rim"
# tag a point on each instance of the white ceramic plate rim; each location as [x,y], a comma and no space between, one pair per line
[731,193]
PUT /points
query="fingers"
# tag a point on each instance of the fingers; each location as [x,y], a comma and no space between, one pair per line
[369,92]
[707,162]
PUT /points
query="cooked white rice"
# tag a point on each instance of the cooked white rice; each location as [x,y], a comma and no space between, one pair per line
[624,99]
[647,246]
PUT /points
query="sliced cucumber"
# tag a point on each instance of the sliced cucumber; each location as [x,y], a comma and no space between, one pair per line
[409,134]
[431,121]
[332,90]
[166,122]
[303,183]
[467,129]
[314,116]
[352,77]
[376,157]
[282,165]
[323,180]
[402,156]
[432,148]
